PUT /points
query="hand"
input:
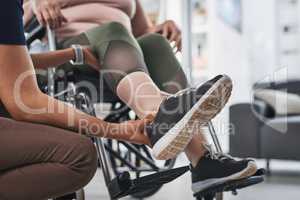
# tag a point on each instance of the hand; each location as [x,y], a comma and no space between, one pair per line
[170,31]
[90,58]
[135,131]
[48,13]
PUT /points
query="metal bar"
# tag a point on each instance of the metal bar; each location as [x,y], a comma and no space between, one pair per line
[103,161]
[145,149]
[51,71]
[142,157]
[116,155]
[187,36]
[139,169]
[51,39]
[214,137]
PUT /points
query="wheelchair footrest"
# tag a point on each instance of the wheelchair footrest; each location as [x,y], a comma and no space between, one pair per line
[231,186]
[122,185]
[67,197]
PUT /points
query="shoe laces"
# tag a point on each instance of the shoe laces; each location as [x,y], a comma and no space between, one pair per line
[181,92]
[212,154]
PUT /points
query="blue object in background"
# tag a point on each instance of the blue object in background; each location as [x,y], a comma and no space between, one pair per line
[230,11]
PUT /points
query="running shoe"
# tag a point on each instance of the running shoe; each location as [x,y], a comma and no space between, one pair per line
[181,114]
[215,169]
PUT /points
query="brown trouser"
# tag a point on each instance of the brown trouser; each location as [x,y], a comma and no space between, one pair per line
[39,162]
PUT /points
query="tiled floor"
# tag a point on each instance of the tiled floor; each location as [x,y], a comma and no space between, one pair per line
[281,186]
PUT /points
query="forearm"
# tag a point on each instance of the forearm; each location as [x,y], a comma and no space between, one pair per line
[22,98]
[52,59]
[140,22]
[47,110]
[68,3]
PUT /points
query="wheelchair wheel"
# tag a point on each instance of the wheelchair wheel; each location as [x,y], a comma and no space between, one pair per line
[137,160]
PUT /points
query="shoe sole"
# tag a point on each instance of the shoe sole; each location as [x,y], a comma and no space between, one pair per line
[203,185]
[178,137]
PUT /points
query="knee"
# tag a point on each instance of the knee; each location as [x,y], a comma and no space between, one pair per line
[113,27]
[154,40]
[86,162]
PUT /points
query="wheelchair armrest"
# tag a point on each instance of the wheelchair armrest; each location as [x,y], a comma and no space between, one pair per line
[34,31]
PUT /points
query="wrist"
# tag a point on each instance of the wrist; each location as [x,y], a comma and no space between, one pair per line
[78,55]
[116,131]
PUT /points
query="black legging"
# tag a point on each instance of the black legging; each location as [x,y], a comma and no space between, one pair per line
[120,54]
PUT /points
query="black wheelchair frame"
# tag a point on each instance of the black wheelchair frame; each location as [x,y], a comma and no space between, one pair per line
[118,166]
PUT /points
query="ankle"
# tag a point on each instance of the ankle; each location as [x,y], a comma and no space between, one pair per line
[195,161]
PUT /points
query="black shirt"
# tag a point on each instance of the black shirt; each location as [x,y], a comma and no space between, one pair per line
[11,22]
[11,29]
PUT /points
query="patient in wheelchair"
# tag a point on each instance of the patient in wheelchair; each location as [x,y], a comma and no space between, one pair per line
[139,65]
[116,39]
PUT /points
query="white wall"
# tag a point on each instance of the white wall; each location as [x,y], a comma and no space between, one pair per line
[252,55]
[232,53]
[247,57]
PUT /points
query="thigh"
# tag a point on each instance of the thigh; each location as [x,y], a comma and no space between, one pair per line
[162,63]
[85,73]
[67,43]
[24,144]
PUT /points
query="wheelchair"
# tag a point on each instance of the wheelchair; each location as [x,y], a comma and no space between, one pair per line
[128,169]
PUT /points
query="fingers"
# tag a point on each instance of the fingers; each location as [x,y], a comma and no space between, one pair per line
[174,33]
[64,19]
[50,14]
[51,18]
[165,31]
[178,44]
[175,36]
[40,18]
[56,17]
[61,18]
[170,31]
[149,119]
